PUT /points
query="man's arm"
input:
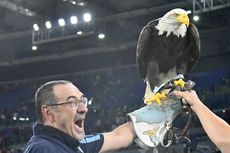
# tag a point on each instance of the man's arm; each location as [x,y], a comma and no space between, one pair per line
[217,129]
[121,137]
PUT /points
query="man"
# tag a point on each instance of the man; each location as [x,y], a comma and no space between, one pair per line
[61,109]
[216,128]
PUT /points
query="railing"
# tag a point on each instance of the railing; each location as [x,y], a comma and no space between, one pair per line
[200,6]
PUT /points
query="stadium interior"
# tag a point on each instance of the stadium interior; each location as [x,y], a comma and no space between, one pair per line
[39,42]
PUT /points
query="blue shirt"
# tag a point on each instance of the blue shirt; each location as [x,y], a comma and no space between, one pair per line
[47,139]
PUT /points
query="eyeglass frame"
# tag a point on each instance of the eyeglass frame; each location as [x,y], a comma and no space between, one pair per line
[84,101]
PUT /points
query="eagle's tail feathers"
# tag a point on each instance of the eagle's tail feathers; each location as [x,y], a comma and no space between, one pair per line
[148,93]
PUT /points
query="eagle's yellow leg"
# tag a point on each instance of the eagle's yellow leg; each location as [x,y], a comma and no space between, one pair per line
[156,98]
[180,83]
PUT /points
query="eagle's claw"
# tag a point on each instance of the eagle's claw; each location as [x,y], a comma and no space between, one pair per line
[157,98]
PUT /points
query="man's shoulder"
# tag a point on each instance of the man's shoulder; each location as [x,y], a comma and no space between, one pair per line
[39,144]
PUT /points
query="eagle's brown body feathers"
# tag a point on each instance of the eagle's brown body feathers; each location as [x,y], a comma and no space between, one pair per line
[159,54]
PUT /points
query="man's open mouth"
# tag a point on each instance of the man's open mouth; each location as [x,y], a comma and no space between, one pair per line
[79,123]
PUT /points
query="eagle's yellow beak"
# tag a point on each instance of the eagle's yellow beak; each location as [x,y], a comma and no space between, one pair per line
[183,18]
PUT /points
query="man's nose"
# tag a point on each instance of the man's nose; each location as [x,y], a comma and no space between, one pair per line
[82,108]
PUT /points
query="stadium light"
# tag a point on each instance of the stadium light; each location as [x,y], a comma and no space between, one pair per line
[74,2]
[34,48]
[61,22]
[196,18]
[81,4]
[101,36]
[87,17]
[73,20]
[79,32]
[21,119]
[36,27]
[48,24]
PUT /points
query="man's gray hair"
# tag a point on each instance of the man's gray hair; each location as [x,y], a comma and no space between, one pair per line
[45,95]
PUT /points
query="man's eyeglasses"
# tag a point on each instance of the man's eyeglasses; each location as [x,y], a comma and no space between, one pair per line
[75,102]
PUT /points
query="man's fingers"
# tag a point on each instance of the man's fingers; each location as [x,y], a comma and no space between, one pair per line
[182,95]
[178,93]
[184,101]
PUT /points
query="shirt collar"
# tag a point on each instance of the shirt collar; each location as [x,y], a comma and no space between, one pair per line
[40,129]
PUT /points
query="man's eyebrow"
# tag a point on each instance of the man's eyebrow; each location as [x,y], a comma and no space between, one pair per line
[74,97]
[70,97]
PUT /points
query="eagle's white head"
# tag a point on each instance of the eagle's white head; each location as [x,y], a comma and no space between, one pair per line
[175,21]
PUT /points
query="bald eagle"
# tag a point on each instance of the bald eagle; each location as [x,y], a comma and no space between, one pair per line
[167,46]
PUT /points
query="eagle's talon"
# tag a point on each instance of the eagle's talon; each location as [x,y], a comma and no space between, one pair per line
[157,98]
[180,83]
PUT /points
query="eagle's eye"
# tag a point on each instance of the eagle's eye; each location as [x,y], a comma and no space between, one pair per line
[177,14]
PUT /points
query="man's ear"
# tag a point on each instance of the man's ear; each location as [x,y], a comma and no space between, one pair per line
[48,113]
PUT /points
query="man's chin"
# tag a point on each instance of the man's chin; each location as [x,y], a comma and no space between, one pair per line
[80,137]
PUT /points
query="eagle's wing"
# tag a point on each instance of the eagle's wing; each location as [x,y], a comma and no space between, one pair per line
[144,49]
[194,49]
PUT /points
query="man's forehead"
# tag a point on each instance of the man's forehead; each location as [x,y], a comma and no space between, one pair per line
[66,90]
